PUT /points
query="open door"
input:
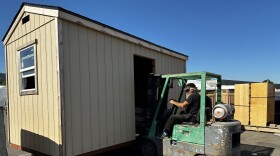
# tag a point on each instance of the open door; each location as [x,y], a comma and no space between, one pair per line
[142,68]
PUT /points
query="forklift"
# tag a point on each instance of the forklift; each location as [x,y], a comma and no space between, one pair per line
[218,136]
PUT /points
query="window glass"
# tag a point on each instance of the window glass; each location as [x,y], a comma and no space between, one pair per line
[27,57]
[29,72]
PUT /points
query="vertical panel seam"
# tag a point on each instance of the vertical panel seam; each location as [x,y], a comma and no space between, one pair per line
[90,99]
[131,87]
[105,85]
[97,87]
[112,91]
[82,101]
[24,98]
[58,88]
[52,70]
[125,88]
[47,86]
[70,92]
[37,79]
[120,118]
[41,47]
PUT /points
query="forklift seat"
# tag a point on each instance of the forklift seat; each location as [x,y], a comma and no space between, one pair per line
[208,114]
[193,121]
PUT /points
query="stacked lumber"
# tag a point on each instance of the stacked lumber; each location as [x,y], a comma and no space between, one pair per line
[227,96]
[254,103]
[242,103]
[262,104]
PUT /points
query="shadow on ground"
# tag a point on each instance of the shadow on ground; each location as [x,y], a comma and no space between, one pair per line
[135,150]
[248,150]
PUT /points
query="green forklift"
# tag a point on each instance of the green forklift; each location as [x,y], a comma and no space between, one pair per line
[218,136]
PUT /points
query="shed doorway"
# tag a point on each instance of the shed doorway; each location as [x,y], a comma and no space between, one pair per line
[142,68]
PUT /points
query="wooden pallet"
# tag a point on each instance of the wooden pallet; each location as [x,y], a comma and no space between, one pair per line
[273,128]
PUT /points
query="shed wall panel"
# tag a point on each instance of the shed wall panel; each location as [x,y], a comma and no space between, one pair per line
[85,101]
[99,87]
[109,90]
[94,94]
[34,118]
[122,90]
[75,89]
[116,91]
[101,75]
[67,89]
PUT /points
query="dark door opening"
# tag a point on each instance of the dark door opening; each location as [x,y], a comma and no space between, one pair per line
[142,68]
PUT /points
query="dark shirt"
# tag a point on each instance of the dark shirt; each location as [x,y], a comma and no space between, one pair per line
[208,102]
[194,103]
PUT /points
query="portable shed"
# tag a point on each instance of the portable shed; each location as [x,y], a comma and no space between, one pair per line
[72,80]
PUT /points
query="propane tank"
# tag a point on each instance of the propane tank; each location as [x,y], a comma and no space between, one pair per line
[223,112]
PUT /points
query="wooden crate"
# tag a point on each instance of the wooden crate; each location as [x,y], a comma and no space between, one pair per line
[263,129]
[262,111]
[228,96]
[242,94]
[262,90]
[242,113]
[212,96]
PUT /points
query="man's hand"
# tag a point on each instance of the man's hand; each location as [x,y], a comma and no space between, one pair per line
[178,104]
[172,102]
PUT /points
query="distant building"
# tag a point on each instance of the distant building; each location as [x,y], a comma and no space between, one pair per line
[226,84]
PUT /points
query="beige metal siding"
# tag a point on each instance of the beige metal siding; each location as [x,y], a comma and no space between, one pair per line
[34,118]
[99,87]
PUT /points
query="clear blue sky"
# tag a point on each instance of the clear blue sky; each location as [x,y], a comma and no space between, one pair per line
[239,39]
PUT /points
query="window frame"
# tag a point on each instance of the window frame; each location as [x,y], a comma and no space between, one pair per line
[33,91]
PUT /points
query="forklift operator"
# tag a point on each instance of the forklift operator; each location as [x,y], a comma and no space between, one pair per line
[191,105]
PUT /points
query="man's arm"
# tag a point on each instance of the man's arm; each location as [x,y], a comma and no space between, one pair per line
[179,104]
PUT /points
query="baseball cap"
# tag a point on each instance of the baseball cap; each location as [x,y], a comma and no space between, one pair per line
[189,86]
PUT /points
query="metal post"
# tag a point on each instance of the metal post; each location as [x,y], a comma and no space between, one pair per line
[219,89]
[152,131]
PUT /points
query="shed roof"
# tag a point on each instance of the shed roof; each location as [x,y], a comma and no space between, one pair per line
[62,13]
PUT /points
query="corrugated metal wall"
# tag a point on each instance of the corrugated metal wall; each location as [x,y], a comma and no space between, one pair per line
[34,118]
[99,87]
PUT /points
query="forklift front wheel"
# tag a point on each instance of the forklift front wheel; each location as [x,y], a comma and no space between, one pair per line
[146,147]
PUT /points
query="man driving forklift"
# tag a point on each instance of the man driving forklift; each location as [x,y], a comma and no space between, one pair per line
[191,113]
[191,105]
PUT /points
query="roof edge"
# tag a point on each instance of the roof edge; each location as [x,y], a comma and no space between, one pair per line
[185,57]
[13,22]
[120,31]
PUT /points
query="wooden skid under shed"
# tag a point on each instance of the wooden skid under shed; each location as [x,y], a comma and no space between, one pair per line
[275,129]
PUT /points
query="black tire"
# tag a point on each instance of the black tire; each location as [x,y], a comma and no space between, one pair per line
[146,147]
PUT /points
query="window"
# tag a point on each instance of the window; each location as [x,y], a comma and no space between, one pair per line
[27,69]
[25,19]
